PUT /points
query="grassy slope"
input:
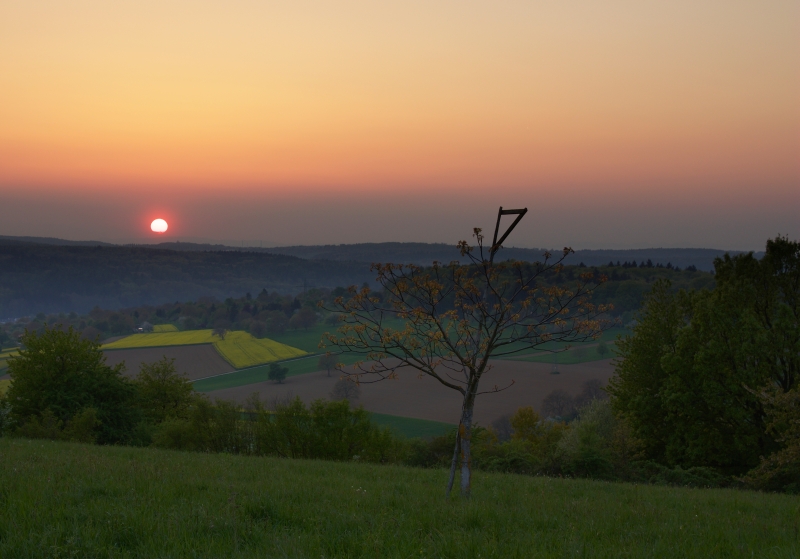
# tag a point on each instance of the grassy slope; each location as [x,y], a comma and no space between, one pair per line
[70,500]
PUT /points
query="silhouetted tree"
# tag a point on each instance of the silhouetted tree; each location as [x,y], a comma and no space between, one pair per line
[447,321]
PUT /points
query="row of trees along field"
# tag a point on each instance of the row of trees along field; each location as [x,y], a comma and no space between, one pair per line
[273,313]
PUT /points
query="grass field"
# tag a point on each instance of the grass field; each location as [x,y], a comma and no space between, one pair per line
[69,500]
[578,353]
[239,348]
[573,356]
[308,340]
[411,427]
[252,375]
[158,328]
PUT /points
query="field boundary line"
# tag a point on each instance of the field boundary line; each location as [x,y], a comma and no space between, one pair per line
[256,366]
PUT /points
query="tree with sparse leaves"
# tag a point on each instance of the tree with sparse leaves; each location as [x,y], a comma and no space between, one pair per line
[448,321]
[327,361]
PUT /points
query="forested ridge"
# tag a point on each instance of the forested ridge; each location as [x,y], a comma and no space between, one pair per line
[47,278]
[42,278]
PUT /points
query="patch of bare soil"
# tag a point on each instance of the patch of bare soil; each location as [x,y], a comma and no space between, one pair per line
[425,398]
[197,361]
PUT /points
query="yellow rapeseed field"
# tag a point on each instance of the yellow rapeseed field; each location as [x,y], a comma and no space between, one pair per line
[165,328]
[239,348]
[160,339]
[4,384]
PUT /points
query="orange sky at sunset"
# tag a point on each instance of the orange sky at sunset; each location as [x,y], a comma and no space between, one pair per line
[318,122]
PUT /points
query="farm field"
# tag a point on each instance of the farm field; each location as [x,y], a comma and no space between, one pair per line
[158,328]
[299,366]
[197,361]
[425,398]
[582,354]
[73,500]
[238,348]
[308,340]
[163,339]
[4,384]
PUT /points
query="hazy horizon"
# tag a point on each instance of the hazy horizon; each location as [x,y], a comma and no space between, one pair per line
[618,124]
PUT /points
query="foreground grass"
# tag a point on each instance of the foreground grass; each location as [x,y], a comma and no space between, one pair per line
[69,500]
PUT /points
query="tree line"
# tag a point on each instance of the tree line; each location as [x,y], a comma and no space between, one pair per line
[272,313]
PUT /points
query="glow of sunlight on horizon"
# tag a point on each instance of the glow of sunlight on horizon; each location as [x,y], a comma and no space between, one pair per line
[633,106]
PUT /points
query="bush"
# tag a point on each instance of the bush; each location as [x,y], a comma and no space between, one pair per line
[585,449]
[62,374]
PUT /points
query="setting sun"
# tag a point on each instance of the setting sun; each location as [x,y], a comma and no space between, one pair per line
[159,226]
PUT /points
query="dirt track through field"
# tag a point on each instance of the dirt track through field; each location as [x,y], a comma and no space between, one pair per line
[197,361]
[425,398]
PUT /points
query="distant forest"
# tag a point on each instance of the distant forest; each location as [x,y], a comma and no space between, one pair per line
[264,313]
[53,276]
[49,278]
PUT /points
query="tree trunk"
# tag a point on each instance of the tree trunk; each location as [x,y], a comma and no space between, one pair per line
[465,436]
[462,452]
[454,464]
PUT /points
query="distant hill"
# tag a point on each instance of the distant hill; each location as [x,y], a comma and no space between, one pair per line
[53,275]
[57,278]
[53,241]
[426,253]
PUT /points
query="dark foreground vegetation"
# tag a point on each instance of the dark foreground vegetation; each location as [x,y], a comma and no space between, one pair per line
[62,390]
[65,500]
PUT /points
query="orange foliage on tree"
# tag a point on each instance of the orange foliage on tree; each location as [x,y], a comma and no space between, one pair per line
[448,320]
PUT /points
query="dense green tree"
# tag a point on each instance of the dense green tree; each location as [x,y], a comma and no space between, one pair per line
[61,372]
[277,373]
[163,393]
[687,374]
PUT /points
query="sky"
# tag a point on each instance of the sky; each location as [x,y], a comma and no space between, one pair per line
[618,124]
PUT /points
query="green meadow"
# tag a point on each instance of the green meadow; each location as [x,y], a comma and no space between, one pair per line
[64,500]
[252,375]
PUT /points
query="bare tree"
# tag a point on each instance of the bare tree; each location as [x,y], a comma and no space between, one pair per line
[220,332]
[502,428]
[447,321]
[346,389]
[558,404]
[593,389]
[327,361]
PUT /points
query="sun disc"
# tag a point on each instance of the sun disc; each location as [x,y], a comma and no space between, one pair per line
[159,226]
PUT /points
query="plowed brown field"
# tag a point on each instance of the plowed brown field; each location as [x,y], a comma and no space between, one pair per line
[425,398]
[197,361]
